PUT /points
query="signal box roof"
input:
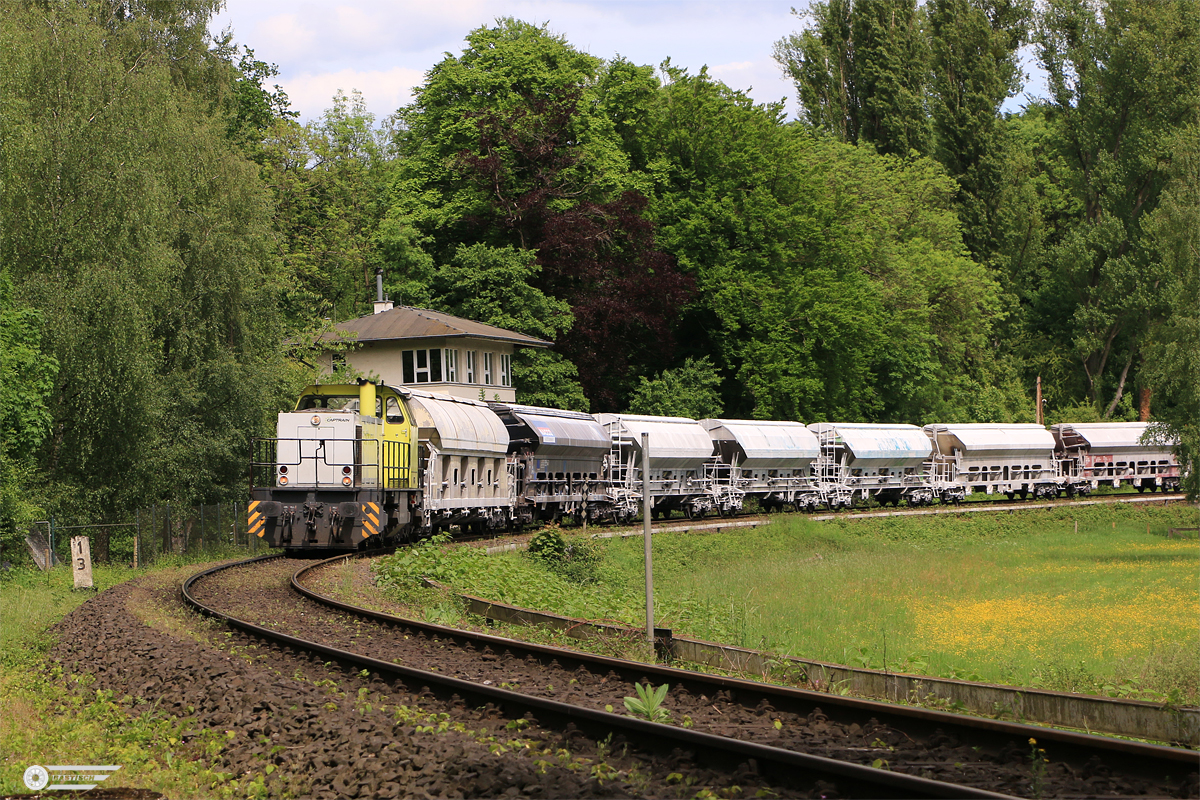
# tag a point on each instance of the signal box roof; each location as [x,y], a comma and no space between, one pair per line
[405,322]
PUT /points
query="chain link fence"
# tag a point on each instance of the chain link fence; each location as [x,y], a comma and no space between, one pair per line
[152,534]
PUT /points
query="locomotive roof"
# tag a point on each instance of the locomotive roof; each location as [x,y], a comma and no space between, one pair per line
[405,322]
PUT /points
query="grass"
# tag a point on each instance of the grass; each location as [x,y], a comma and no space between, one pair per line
[1013,598]
[50,718]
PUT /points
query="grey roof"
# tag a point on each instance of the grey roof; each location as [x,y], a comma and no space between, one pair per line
[405,322]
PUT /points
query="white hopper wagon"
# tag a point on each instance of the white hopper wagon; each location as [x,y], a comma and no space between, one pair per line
[886,461]
[1109,453]
[463,454]
[1015,459]
[769,460]
[683,471]
[557,462]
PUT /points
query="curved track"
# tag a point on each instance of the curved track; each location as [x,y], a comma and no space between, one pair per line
[1159,769]
[782,768]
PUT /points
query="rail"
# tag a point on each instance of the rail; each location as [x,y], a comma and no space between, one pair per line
[778,766]
[1144,760]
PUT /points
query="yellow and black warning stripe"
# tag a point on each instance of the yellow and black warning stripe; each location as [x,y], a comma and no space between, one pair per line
[258,520]
[370,519]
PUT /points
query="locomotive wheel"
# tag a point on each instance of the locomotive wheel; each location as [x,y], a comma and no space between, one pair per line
[1024,493]
[1010,495]
[1141,489]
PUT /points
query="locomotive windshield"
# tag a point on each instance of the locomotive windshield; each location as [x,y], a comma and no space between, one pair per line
[330,402]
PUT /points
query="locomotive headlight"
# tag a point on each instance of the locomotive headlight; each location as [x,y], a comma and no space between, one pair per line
[283,470]
[283,480]
[316,420]
[346,481]
[346,470]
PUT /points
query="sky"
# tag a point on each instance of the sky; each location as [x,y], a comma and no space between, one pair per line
[383,47]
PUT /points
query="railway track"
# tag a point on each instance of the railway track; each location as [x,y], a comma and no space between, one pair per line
[804,741]
[966,507]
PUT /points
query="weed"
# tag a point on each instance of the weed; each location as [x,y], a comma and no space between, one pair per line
[648,703]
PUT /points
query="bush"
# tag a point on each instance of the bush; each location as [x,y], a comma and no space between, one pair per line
[577,560]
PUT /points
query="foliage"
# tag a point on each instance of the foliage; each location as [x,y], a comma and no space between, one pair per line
[1173,352]
[860,72]
[140,236]
[537,168]
[327,181]
[648,703]
[692,391]
[26,380]
[1123,77]
[548,544]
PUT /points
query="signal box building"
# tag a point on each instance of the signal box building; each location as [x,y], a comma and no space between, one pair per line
[432,351]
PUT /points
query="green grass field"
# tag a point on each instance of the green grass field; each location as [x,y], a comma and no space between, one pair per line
[1009,598]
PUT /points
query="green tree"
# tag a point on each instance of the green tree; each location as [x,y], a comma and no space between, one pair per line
[140,233]
[26,380]
[975,68]
[832,281]
[1172,374]
[860,72]
[492,285]
[691,390]
[328,179]
[1124,79]
[510,144]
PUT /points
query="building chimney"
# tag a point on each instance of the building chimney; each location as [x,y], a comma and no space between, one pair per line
[381,305]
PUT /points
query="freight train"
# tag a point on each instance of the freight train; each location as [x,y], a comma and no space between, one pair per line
[362,465]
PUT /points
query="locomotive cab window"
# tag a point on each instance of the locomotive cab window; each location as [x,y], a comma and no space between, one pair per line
[395,416]
[329,403]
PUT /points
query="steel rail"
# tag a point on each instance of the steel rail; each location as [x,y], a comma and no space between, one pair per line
[1146,761]
[778,766]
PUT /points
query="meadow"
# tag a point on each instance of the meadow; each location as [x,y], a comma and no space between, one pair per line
[1020,598]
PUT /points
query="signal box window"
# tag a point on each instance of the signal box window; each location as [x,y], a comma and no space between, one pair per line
[422,366]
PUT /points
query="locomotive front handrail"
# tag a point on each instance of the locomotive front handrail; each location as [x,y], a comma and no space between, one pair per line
[393,472]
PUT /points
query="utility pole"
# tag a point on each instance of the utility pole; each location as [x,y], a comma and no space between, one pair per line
[646,537]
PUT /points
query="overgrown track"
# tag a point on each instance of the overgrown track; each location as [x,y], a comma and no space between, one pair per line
[866,512]
[986,754]
[1136,761]
[808,774]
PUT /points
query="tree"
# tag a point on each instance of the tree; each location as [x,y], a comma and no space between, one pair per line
[492,285]
[860,72]
[691,390]
[26,380]
[140,234]
[328,178]
[505,146]
[975,68]
[1124,78]
[1172,374]
[832,281]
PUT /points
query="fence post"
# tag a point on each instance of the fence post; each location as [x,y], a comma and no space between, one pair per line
[168,545]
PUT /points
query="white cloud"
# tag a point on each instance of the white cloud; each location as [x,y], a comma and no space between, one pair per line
[383,90]
[285,36]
